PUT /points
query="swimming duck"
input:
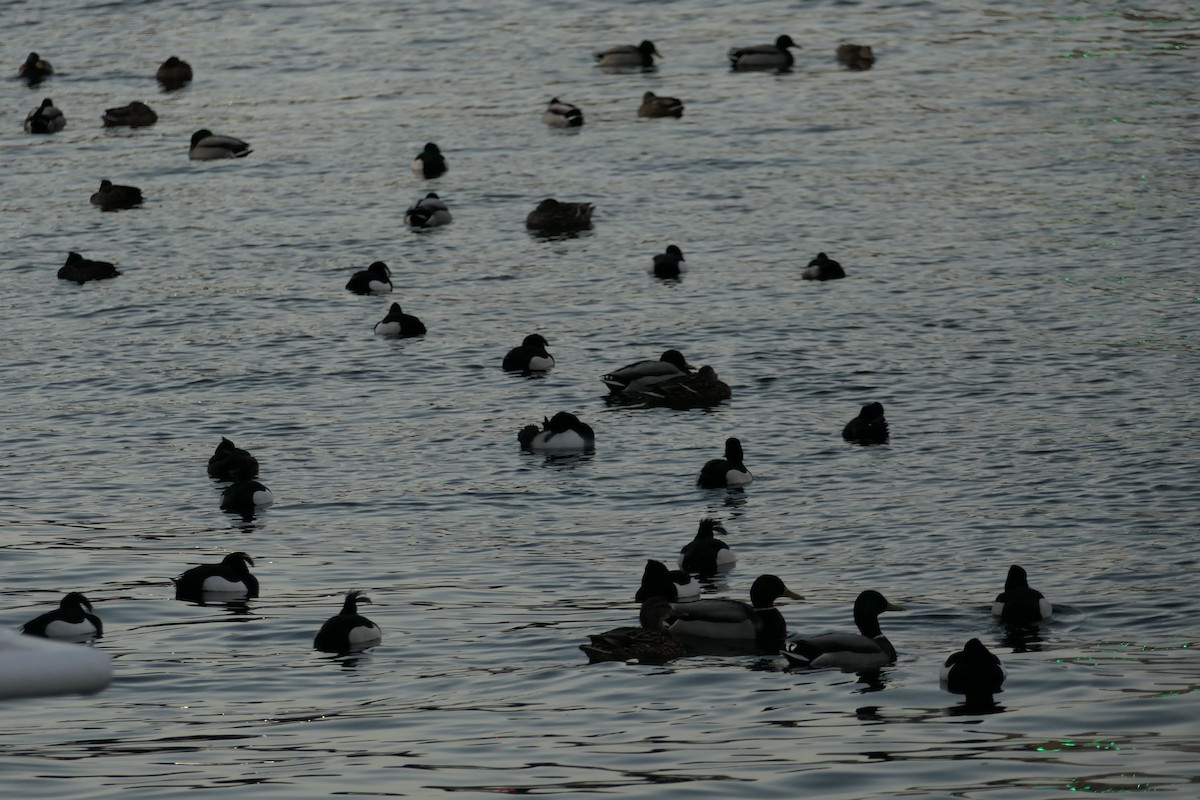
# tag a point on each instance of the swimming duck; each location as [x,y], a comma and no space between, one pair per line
[375,279]
[651,643]
[531,356]
[173,73]
[702,390]
[35,70]
[428,212]
[633,378]
[869,427]
[706,554]
[135,115]
[397,324]
[764,56]
[823,268]
[668,264]
[429,163]
[1018,604]
[562,434]
[554,216]
[562,115]
[231,463]
[45,119]
[629,55]
[974,671]
[856,56]
[81,270]
[112,197]
[654,105]
[245,496]
[729,471]
[853,652]
[673,584]
[759,620]
[230,578]
[348,631]
[207,146]
[71,620]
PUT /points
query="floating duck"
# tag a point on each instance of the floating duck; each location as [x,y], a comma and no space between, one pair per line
[208,146]
[706,554]
[231,463]
[853,652]
[651,643]
[554,216]
[1018,604]
[654,105]
[974,671]
[428,212]
[73,619]
[727,472]
[632,379]
[764,56]
[531,356]
[135,115]
[562,115]
[112,197]
[399,325]
[673,584]
[562,434]
[668,264]
[45,119]
[869,427]
[429,163]
[701,390]
[823,268]
[758,621]
[629,55]
[81,270]
[245,496]
[35,69]
[856,56]
[348,631]
[230,578]
[173,74]
[375,279]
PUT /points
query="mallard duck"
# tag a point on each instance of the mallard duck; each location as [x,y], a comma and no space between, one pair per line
[764,56]
[531,356]
[730,471]
[974,671]
[173,73]
[554,216]
[869,427]
[245,495]
[429,163]
[668,264]
[632,379]
[651,643]
[1018,604]
[706,554]
[231,463]
[112,197]
[673,584]
[629,55]
[45,119]
[207,146]
[702,390]
[348,631]
[856,56]
[562,434]
[81,270]
[135,115]
[562,115]
[823,268]
[759,621]
[230,578]
[375,279]
[73,619]
[656,106]
[853,652]
[397,324]
[35,69]
[428,212]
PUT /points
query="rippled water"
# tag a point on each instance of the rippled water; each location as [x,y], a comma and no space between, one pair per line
[1012,192]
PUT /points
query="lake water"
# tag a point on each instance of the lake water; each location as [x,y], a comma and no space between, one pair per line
[1012,191]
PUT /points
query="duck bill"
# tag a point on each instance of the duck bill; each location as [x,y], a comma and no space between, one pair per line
[894,607]
[793,595]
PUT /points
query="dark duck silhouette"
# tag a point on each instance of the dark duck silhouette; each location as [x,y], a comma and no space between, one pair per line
[348,631]
[650,643]
[869,427]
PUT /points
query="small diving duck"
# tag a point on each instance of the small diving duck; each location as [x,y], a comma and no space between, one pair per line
[562,434]
[853,652]
[231,578]
[974,671]
[633,378]
[764,56]
[208,146]
[856,56]
[35,69]
[375,279]
[562,115]
[702,390]
[823,268]
[869,427]
[706,554]
[113,197]
[245,496]
[73,619]
[628,55]
[531,356]
[429,163]
[758,621]
[1018,604]
[348,631]
[174,73]
[555,216]
[428,212]
[651,643]
[673,584]
[135,115]
[45,119]
[728,472]
[399,325]
[668,264]
[81,270]
[654,105]
[231,463]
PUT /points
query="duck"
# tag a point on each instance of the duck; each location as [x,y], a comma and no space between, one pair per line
[701,390]
[853,652]
[45,119]
[764,56]
[112,197]
[429,163]
[823,268]
[348,631]
[375,279]
[428,212]
[869,427]
[974,671]
[531,356]
[706,554]
[208,146]
[649,643]
[654,105]
[856,56]
[673,584]
[759,620]
[562,115]
[629,55]
[73,619]
[1018,604]
[35,69]
[555,216]
[399,325]
[81,270]
[173,73]
[562,434]
[231,578]
[135,115]
[231,463]
[668,264]
[632,379]
[727,472]
[245,495]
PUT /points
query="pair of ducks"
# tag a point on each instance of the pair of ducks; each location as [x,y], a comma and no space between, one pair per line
[244,494]
[377,279]
[667,381]
[559,114]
